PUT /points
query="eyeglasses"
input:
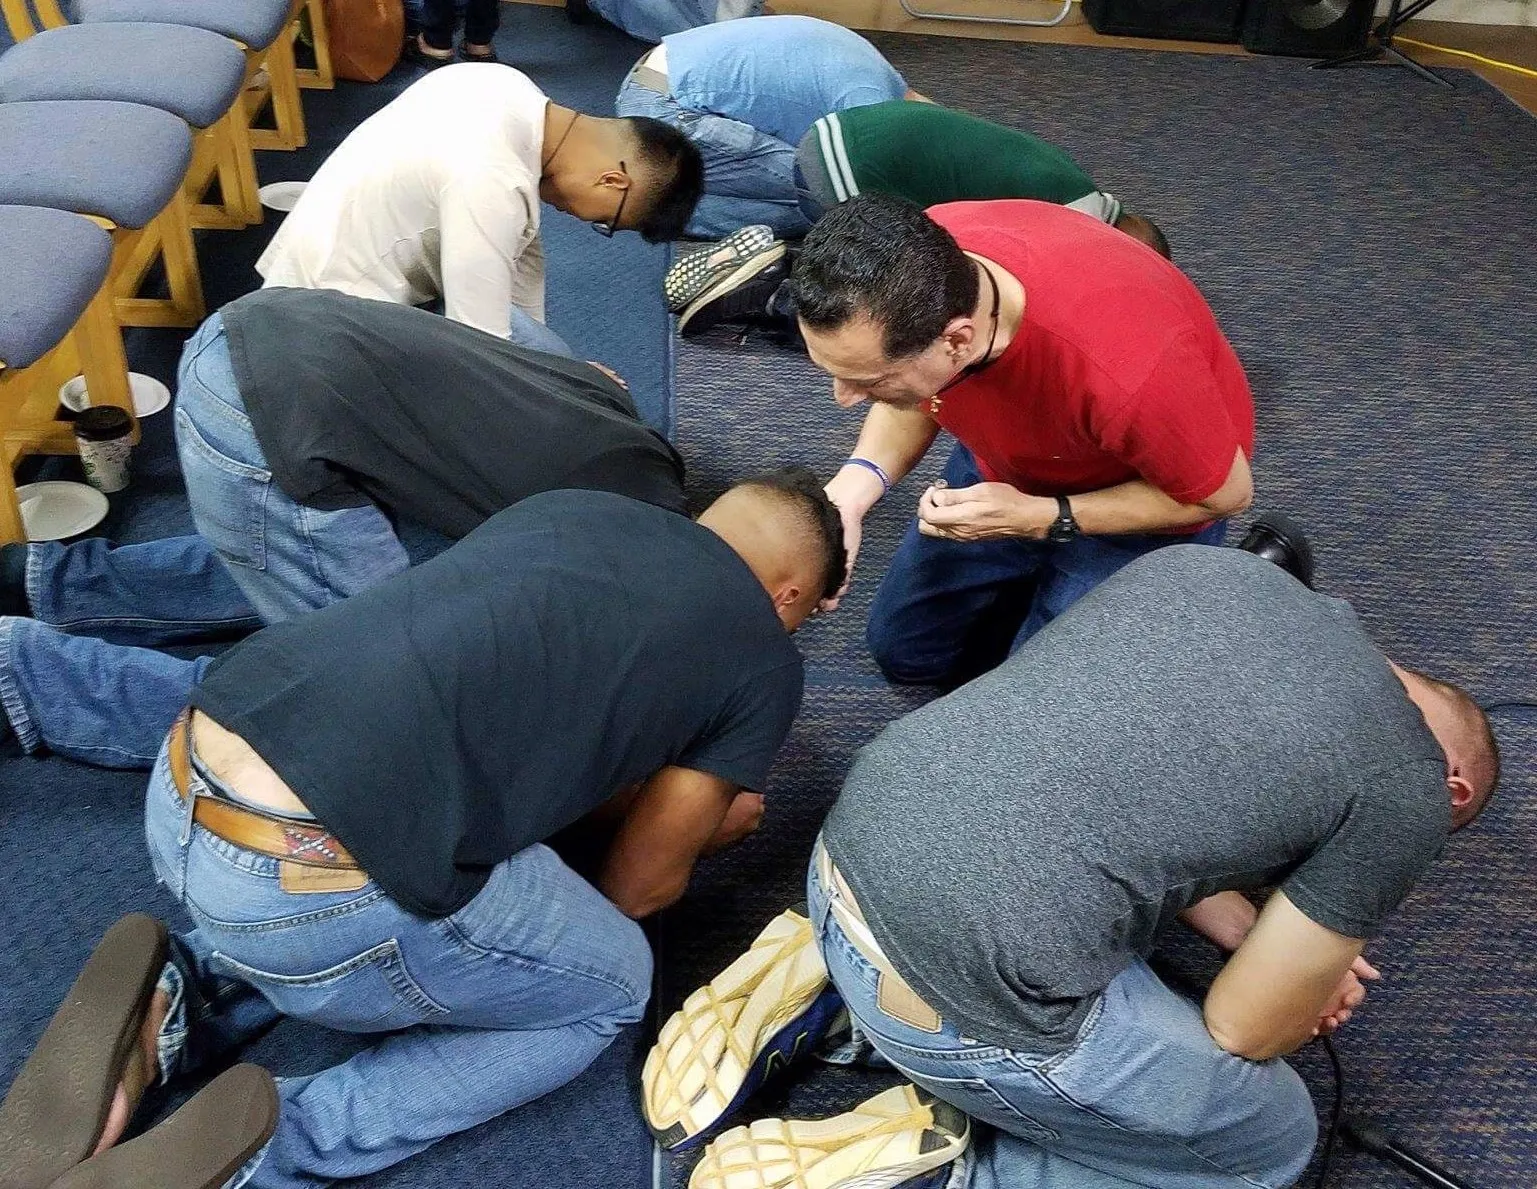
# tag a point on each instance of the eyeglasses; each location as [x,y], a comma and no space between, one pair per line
[607,229]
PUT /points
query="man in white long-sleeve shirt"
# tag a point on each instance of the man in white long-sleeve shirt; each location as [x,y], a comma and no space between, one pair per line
[437,196]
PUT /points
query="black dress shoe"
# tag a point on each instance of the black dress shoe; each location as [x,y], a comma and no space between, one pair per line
[1279,540]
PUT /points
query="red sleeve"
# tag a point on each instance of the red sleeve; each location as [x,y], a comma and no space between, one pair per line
[1176,430]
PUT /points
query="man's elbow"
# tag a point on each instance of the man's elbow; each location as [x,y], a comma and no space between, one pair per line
[1249,1043]
[640,902]
[1230,500]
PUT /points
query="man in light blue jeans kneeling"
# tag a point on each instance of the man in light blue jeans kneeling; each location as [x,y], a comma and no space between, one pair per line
[308,424]
[744,92]
[1001,863]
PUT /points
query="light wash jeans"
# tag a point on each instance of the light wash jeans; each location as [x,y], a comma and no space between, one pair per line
[506,1000]
[749,176]
[1144,1098]
[109,697]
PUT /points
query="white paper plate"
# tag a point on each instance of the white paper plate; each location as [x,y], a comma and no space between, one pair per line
[56,509]
[281,196]
[149,394]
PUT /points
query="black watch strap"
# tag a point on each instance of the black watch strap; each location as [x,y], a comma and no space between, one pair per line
[1064,528]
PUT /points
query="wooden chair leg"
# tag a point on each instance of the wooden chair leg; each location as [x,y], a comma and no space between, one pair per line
[168,238]
[240,193]
[322,77]
[29,399]
[179,255]
[11,529]
[99,342]
[222,151]
[288,131]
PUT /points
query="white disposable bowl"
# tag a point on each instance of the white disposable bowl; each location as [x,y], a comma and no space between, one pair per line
[149,394]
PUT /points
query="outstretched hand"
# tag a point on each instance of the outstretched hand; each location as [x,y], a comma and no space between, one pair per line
[1349,996]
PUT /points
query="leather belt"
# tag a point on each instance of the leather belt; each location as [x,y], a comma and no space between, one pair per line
[250,829]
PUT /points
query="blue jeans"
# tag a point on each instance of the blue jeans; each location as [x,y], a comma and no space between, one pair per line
[506,1000]
[947,611]
[749,176]
[108,698]
[1145,1097]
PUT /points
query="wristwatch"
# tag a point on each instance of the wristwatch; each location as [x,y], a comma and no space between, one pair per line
[1064,528]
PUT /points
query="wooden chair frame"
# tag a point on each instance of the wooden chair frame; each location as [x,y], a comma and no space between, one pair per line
[320,77]
[29,399]
[168,238]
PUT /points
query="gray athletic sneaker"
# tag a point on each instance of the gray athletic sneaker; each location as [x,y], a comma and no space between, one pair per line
[692,274]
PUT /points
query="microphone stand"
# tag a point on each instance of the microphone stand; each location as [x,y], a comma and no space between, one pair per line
[1368,1137]
[1384,47]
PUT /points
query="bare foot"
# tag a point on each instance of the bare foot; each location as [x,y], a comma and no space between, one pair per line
[140,1072]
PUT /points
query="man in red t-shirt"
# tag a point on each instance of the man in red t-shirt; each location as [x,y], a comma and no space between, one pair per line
[1099,410]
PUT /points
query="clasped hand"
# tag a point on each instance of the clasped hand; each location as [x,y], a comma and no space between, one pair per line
[983,512]
[1347,997]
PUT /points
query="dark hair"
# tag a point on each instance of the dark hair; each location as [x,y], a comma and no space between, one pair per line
[676,170]
[802,490]
[1140,227]
[882,257]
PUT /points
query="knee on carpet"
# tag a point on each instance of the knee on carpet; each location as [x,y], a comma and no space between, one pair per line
[900,662]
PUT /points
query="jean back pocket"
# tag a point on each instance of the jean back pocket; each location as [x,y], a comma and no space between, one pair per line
[371,992]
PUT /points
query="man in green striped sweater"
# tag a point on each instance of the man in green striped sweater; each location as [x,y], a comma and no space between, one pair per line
[929,154]
[916,150]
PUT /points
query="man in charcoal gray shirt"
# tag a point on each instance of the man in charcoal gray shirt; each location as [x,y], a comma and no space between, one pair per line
[1001,863]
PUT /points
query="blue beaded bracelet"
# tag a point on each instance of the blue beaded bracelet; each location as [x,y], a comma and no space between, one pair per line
[875,469]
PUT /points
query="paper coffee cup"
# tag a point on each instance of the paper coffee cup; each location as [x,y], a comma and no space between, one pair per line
[105,437]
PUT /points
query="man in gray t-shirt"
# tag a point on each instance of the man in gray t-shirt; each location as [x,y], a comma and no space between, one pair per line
[1001,862]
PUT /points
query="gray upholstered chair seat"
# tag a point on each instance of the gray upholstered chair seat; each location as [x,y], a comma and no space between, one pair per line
[122,161]
[254,22]
[51,265]
[191,73]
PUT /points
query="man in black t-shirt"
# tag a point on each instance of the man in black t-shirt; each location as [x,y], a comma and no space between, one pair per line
[309,423]
[370,787]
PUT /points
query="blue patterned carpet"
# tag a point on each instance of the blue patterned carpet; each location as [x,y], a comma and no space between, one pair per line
[1361,238]
[1367,242]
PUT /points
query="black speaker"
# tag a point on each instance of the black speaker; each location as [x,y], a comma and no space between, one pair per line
[1192,20]
[1306,28]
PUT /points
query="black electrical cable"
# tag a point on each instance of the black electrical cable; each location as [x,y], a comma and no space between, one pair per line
[1326,1160]
[1513,704]
[1337,1112]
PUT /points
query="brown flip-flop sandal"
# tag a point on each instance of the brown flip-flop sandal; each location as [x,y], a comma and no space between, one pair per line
[201,1146]
[53,1115]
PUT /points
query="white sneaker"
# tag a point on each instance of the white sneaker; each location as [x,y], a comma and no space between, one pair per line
[898,1138]
[770,1006]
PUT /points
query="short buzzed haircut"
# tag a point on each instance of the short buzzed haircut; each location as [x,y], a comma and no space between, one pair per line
[880,256]
[801,491]
[1474,723]
[672,164]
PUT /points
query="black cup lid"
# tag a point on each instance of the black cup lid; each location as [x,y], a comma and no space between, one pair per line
[102,423]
